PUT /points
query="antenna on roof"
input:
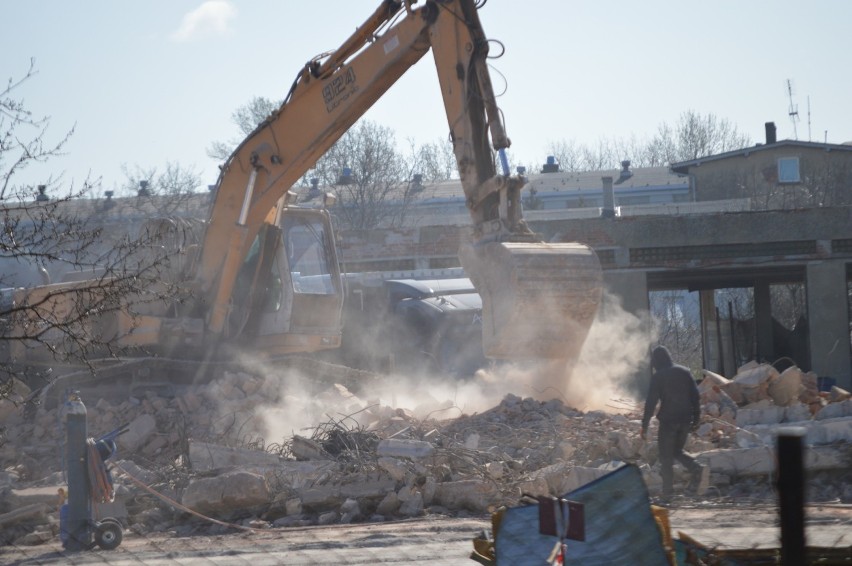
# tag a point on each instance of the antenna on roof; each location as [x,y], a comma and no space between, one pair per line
[809,118]
[793,111]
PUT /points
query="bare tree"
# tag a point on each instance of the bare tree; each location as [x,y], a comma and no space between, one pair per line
[23,141]
[377,190]
[677,323]
[246,117]
[693,136]
[434,161]
[63,272]
[568,155]
[168,193]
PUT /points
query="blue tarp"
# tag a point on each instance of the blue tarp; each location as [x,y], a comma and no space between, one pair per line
[620,528]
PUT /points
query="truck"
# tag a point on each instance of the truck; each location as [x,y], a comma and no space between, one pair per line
[261,274]
[426,322]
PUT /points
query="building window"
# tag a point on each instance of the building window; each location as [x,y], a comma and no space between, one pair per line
[788,170]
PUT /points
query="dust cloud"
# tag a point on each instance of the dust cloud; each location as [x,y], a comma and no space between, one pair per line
[601,379]
[615,349]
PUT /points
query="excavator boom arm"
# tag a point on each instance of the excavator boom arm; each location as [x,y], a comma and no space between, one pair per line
[330,95]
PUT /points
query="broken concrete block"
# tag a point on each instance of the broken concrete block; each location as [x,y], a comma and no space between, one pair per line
[25,497]
[829,431]
[366,487]
[623,446]
[34,538]
[34,512]
[402,448]
[835,410]
[349,511]
[135,471]
[473,495]
[293,506]
[535,486]
[306,449]
[761,461]
[578,476]
[817,432]
[494,470]
[796,412]
[412,506]
[710,409]
[564,450]
[230,491]
[140,430]
[754,382]
[406,492]
[205,457]
[760,413]
[838,394]
[653,480]
[395,468]
[711,380]
[735,392]
[428,489]
[389,505]
[321,498]
[786,388]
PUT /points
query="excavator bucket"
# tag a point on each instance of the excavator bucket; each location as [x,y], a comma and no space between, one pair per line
[538,299]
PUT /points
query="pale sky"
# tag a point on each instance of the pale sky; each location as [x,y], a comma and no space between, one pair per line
[152,82]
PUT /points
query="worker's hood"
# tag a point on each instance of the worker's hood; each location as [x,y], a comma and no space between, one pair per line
[661,358]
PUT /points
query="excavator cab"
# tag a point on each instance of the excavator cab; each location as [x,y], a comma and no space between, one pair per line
[288,293]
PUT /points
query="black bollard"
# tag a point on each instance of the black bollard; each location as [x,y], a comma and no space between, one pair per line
[78,533]
[791,495]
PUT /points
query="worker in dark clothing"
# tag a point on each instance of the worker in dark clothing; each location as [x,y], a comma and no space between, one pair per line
[673,387]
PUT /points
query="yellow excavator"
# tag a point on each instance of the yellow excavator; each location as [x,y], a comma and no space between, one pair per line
[265,275]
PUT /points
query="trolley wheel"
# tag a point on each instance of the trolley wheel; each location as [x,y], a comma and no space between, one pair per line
[108,534]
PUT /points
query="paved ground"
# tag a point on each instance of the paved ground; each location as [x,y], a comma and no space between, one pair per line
[438,541]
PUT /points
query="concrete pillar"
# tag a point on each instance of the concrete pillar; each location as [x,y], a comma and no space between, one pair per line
[630,288]
[828,321]
[763,322]
[712,357]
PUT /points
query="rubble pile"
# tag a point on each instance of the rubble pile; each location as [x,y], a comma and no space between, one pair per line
[201,451]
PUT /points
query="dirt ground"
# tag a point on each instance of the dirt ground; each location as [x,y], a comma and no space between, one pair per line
[435,540]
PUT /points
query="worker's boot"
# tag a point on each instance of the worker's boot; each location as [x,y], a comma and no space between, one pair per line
[700,480]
